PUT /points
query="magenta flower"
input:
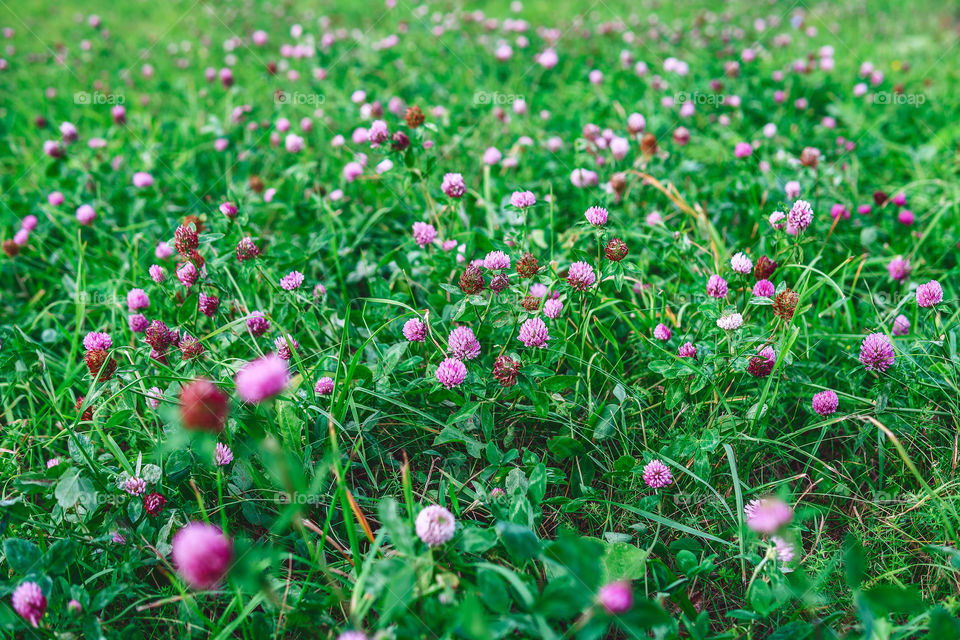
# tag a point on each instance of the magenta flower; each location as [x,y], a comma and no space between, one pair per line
[134,486]
[29,602]
[906,217]
[767,515]
[451,373]
[453,185]
[687,350]
[597,216]
[496,260]
[229,209]
[657,475]
[435,525]
[85,214]
[222,455]
[415,330]
[763,289]
[662,332]
[187,274]
[876,352]
[291,281]
[800,215]
[208,305]
[523,199]
[324,386]
[743,150]
[581,276]
[378,133]
[929,294]
[463,344]
[262,379]
[423,233]
[533,333]
[716,287]
[825,402]
[257,323]
[285,346]
[97,340]
[158,273]
[899,269]
[142,180]
[138,322]
[616,597]
[202,554]
[552,307]
[901,326]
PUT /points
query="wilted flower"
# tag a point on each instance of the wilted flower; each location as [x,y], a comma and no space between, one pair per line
[153,503]
[785,304]
[471,281]
[247,249]
[505,370]
[527,266]
[616,250]
[761,364]
[203,406]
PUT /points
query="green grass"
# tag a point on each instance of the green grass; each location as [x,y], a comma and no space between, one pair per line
[322,494]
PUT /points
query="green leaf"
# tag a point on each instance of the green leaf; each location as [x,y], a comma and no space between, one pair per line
[21,555]
[519,541]
[68,488]
[59,556]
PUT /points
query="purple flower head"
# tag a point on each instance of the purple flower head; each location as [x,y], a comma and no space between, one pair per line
[435,525]
[324,386]
[763,289]
[825,402]
[687,350]
[201,554]
[597,216]
[929,294]
[453,185]
[523,199]
[800,215]
[741,263]
[424,233]
[158,273]
[451,373]
[662,332]
[876,352]
[581,276]
[901,326]
[533,333]
[257,323]
[187,274]
[552,307]
[285,346]
[291,281]
[616,597]
[767,515]
[262,379]
[496,260]
[899,269]
[415,330]
[97,340]
[29,602]
[730,321]
[222,455]
[378,133]
[208,305]
[657,475]
[463,344]
[138,322]
[716,287]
